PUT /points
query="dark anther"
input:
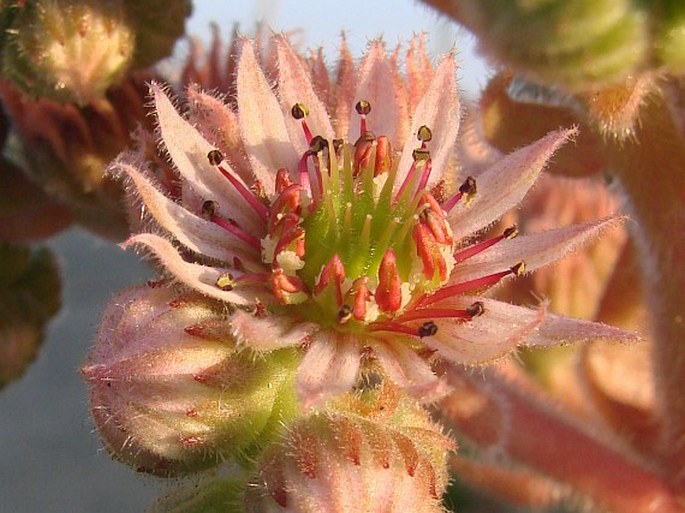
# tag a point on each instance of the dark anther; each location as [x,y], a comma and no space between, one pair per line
[337,144]
[469,186]
[225,282]
[215,157]
[519,268]
[344,314]
[511,232]
[420,154]
[318,144]
[299,111]
[427,329]
[424,134]
[475,309]
[363,107]
[208,210]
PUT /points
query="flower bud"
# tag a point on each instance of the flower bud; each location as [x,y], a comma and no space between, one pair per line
[66,150]
[29,297]
[159,24]
[68,50]
[170,391]
[371,452]
[575,43]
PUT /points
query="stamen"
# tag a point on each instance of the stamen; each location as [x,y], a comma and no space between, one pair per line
[215,157]
[225,282]
[468,189]
[344,314]
[475,249]
[467,286]
[246,193]
[427,329]
[232,227]
[476,309]
[393,327]
[389,291]
[362,107]
[283,180]
[300,111]
[433,313]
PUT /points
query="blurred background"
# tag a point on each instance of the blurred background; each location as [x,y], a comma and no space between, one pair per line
[50,458]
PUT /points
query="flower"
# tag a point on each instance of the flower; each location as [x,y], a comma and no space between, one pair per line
[376,453]
[171,393]
[347,235]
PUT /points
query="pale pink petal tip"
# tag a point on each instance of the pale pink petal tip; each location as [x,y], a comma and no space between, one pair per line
[503,185]
[329,368]
[268,333]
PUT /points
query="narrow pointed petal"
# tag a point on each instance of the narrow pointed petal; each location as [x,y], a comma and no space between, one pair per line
[343,93]
[263,127]
[294,85]
[188,150]
[199,277]
[330,367]
[536,249]
[439,111]
[219,125]
[503,185]
[408,370]
[268,333]
[483,339]
[502,327]
[197,234]
[376,86]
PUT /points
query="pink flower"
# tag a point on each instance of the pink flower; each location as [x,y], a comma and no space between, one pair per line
[329,215]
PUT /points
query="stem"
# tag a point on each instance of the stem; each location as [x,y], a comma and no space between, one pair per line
[651,169]
[510,416]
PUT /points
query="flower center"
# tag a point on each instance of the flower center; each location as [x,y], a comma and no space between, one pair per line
[351,239]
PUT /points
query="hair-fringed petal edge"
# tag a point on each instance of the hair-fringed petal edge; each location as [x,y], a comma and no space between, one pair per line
[268,333]
[197,234]
[329,367]
[439,110]
[408,370]
[536,249]
[504,184]
[196,276]
[265,135]
[294,86]
[188,151]
[376,85]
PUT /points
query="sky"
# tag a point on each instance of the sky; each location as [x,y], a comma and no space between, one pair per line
[322,21]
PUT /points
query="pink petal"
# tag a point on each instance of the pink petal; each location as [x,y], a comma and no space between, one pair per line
[270,332]
[536,250]
[294,85]
[376,81]
[199,277]
[188,150]
[219,125]
[330,367]
[503,185]
[439,111]
[491,336]
[265,135]
[419,70]
[201,236]
[503,327]
[408,370]
[343,92]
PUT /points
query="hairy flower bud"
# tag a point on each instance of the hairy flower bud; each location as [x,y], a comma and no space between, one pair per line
[170,390]
[29,297]
[371,452]
[159,24]
[68,50]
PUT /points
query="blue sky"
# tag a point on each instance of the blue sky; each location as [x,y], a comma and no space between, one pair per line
[322,21]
